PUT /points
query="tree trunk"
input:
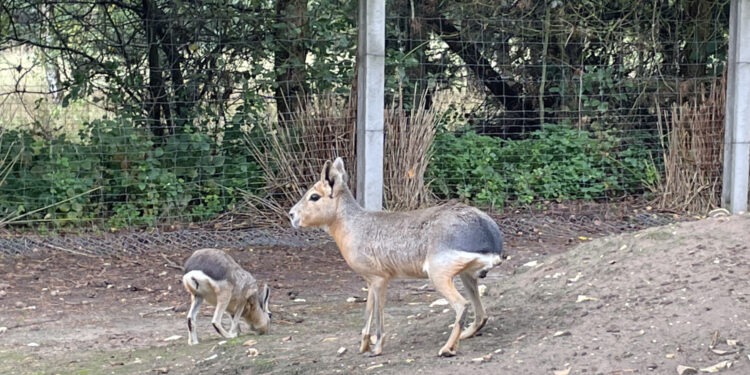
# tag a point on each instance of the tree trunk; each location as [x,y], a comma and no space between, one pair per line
[157,95]
[289,60]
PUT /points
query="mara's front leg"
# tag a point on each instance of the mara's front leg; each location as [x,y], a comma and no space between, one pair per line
[364,345]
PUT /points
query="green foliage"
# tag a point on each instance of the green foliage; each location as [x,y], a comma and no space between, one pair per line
[119,173]
[556,163]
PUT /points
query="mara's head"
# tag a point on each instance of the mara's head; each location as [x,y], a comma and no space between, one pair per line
[257,314]
[318,205]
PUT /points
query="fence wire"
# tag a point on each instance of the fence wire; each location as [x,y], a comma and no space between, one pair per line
[149,114]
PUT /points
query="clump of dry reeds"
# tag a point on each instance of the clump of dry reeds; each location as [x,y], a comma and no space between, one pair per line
[408,140]
[323,128]
[291,154]
[692,137]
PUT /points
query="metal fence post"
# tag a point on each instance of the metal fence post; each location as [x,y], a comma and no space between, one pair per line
[370,92]
[737,117]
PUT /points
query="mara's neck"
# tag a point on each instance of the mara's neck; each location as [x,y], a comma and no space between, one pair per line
[347,210]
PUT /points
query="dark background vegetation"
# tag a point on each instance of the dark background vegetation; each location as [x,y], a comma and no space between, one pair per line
[213,107]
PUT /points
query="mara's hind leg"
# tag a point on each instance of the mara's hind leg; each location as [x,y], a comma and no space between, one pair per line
[480,316]
[442,277]
[222,301]
[192,315]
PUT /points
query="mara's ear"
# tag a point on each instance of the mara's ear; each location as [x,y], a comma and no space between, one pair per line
[266,297]
[324,174]
[338,177]
[340,169]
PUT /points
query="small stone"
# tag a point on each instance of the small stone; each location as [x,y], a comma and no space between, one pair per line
[32,344]
[685,370]
[252,352]
[20,305]
[482,290]
[287,338]
[341,351]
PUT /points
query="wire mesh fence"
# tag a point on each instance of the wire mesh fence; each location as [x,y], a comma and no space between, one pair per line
[131,115]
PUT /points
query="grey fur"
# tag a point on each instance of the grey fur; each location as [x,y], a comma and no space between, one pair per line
[475,233]
[212,262]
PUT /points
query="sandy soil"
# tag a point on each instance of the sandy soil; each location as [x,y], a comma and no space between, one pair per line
[641,302]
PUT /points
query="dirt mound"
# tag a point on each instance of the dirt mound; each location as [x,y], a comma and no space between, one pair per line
[651,300]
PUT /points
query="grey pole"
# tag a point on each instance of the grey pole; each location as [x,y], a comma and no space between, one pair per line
[737,116]
[370,97]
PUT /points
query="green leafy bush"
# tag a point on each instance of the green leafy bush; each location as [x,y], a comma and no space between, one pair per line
[558,163]
[119,175]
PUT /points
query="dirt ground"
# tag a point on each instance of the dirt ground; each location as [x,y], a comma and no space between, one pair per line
[640,302]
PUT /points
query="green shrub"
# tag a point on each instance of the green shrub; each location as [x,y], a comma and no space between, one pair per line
[556,163]
[120,176]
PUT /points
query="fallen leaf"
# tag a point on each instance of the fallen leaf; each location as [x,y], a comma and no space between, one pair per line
[211,357]
[717,367]
[439,302]
[498,351]
[250,342]
[578,277]
[669,355]
[374,366]
[583,298]
[533,263]
[252,352]
[723,352]
[32,344]
[3,329]
[478,359]
[731,342]
[341,351]
[561,333]
[172,338]
[329,339]
[300,300]
[685,370]
[562,372]
[287,338]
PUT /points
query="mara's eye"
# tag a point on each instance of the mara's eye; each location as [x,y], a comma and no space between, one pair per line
[314,197]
